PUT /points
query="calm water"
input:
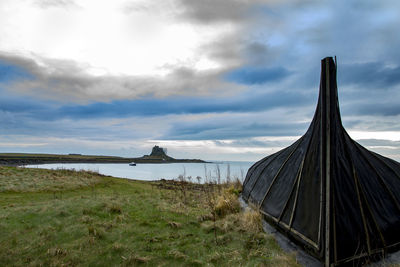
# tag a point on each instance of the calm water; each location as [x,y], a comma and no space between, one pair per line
[150,172]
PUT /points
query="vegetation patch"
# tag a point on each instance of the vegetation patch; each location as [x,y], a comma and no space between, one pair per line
[19,179]
[93,220]
[227,202]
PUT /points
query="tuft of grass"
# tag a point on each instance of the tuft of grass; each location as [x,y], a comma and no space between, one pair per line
[59,252]
[175,224]
[96,232]
[251,221]
[227,203]
[133,260]
[235,188]
[115,208]
[177,254]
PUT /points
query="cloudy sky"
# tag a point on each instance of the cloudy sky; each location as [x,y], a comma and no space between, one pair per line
[210,79]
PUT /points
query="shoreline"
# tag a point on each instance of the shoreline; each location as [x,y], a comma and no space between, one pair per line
[13,159]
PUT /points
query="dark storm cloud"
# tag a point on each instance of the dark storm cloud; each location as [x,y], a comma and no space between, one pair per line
[22,125]
[217,49]
[232,11]
[156,107]
[13,67]
[258,54]
[232,51]
[10,72]
[209,130]
[67,81]
[214,11]
[380,109]
[13,104]
[256,75]
[254,142]
[372,74]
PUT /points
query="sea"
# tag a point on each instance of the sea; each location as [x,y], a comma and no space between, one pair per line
[195,172]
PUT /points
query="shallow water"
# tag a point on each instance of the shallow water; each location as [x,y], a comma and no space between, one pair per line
[149,172]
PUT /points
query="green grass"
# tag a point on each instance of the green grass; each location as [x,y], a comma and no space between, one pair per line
[34,180]
[54,218]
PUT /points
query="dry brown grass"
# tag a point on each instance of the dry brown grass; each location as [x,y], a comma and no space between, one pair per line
[251,220]
[226,203]
[176,254]
[248,221]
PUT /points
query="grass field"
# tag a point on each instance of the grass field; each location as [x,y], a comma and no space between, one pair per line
[77,218]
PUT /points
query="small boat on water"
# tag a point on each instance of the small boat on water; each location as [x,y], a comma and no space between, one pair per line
[132,164]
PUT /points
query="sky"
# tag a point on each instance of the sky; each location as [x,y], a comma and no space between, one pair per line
[209,79]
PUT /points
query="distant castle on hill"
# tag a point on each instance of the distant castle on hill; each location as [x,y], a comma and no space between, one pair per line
[158,153]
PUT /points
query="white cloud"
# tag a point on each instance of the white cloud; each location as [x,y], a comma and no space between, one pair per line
[55,3]
[22,144]
[103,35]
[383,135]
